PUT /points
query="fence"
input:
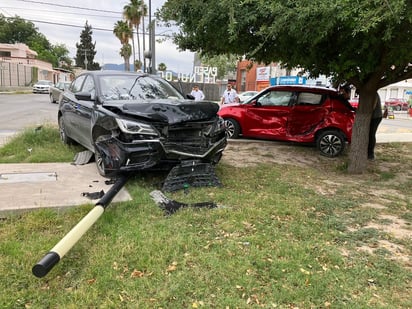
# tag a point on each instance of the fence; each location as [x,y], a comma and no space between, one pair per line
[211,91]
[16,75]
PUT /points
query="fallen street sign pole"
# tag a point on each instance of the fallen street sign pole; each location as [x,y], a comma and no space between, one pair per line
[43,267]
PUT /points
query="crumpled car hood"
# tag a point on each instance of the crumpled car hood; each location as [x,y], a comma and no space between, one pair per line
[169,111]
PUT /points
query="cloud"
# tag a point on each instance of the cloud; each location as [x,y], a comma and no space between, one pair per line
[63,22]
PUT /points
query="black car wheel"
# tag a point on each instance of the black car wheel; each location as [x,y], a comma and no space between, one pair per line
[99,162]
[99,159]
[232,128]
[330,143]
[63,136]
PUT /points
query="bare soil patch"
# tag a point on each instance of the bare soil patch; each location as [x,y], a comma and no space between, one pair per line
[332,177]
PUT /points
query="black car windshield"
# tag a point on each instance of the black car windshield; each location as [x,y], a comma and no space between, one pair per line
[115,87]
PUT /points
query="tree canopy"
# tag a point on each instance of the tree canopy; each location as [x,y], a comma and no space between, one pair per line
[86,50]
[134,12]
[17,30]
[123,32]
[366,43]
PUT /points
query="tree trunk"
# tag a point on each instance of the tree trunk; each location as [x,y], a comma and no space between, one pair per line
[127,64]
[138,46]
[358,154]
[359,145]
[134,54]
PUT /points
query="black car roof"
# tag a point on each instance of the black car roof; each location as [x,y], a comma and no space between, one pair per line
[113,72]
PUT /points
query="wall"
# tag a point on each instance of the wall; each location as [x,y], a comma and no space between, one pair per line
[15,75]
[211,91]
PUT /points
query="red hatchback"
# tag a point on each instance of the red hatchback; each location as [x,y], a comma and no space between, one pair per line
[305,114]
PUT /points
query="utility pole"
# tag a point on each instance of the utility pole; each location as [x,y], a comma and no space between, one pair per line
[85,57]
[152,41]
[144,39]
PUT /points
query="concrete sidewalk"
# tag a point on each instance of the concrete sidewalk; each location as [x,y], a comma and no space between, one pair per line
[393,138]
[30,186]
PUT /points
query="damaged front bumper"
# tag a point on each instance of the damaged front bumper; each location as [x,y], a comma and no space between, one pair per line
[118,156]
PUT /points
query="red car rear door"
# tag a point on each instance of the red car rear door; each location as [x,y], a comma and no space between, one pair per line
[306,114]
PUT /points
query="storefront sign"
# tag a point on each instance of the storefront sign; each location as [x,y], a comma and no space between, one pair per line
[201,75]
[288,80]
[262,74]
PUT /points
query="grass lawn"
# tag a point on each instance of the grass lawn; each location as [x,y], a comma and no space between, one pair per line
[283,236]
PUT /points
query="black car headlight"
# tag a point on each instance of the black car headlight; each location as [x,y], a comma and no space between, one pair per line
[220,126]
[215,128]
[134,127]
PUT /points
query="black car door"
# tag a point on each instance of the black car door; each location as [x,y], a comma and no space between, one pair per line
[68,108]
[82,114]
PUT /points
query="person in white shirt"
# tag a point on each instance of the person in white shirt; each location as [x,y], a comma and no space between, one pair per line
[229,96]
[197,93]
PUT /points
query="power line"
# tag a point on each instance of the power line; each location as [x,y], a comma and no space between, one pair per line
[69,6]
[66,25]
[54,12]
[75,26]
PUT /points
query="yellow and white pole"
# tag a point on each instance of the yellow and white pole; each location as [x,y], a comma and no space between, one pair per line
[67,242]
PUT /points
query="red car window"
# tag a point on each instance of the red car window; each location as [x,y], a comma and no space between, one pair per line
[275,98]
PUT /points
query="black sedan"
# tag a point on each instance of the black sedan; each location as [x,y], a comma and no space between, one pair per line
[134,121]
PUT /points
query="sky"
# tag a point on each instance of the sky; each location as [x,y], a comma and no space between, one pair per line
[62,21]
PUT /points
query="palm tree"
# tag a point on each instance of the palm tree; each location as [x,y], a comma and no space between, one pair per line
[134,12]
[161,67]
[126,52]
[123,32]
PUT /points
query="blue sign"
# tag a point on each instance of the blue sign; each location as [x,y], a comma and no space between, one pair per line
[288,80]
[408,92]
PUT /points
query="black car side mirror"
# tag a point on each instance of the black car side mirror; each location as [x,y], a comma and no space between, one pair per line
[190,97]
[83,96]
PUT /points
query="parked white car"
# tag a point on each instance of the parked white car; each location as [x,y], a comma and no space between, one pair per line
[246,95]
[42,86]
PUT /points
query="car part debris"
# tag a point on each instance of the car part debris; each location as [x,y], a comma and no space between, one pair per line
[83,157]
[43,267]
[110,181]
[171,206]
[191,174]
[93,195]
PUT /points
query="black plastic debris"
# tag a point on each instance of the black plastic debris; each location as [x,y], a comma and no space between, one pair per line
[93,195]
[110,181]
[170,206]
[191,174]
[82,158]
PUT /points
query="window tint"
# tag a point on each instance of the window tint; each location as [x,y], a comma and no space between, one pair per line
[88,86]
[307,98]
[275,98]
[77,84]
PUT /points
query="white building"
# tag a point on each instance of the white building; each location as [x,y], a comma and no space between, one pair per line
[400,90]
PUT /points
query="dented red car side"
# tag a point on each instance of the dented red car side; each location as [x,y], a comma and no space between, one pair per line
[293,113]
